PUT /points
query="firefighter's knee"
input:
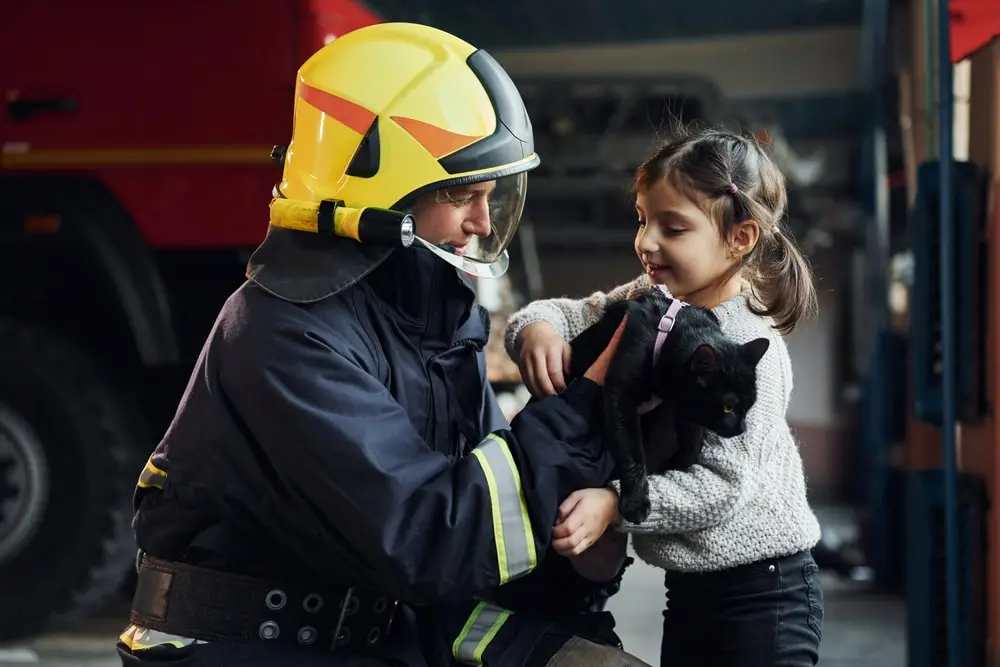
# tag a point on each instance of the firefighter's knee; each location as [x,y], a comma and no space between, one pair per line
[579,652]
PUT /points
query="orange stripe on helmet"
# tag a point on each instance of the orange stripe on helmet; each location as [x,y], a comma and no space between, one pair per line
[438,141]
[349,113]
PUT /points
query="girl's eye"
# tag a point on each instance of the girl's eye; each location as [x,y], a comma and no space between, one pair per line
[674,232]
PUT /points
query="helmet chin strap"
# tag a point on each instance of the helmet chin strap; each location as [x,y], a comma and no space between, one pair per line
[494,269]
[372,226]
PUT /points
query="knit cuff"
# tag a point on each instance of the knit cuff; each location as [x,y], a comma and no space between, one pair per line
[616,486]
[516,324]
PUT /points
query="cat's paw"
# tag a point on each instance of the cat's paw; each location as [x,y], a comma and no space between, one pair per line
[635,510]
[634,505]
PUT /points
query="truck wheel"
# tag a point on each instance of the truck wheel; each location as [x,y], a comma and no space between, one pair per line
[71,449]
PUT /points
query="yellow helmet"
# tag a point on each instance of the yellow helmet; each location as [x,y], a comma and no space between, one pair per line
[389,112]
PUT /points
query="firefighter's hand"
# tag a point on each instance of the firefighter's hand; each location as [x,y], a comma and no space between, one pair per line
[603,561]
[583,518]
[544,361]
[599,368]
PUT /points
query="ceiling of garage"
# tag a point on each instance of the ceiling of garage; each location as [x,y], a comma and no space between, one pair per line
[517,23]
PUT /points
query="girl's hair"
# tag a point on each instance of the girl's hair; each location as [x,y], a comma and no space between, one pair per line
[735,180]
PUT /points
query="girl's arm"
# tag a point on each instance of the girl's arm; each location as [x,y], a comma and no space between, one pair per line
[731,469]
[569,317]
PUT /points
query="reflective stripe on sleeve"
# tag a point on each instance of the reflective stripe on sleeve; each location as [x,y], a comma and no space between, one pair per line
[515,541]
[482,626]
[136,638]
[151,476]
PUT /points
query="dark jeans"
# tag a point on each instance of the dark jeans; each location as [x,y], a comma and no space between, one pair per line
[766,614]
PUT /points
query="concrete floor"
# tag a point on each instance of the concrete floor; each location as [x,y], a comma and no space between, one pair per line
[860,630]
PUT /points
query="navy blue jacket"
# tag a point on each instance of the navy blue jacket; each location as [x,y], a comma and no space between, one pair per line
[355,441]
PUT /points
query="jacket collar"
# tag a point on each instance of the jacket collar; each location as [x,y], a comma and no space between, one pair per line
[428,296]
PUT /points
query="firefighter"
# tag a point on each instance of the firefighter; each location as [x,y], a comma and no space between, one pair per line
[338,485]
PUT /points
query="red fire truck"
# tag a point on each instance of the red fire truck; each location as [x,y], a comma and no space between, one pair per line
[135,175]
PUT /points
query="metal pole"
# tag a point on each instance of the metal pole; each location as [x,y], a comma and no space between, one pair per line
[929,77]
[949,389]
[876,320]
[875,46]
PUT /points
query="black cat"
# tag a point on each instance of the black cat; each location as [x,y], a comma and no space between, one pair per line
[696,378]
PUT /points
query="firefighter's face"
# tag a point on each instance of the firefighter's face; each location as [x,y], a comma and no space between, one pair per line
[456,215]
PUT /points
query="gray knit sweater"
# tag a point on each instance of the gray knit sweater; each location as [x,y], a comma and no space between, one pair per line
[746,499]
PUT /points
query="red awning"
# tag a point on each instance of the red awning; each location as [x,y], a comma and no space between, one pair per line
[974,24]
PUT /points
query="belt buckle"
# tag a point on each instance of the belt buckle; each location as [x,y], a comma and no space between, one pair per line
[386,608]
[350,606]
[344,605]
[392,616]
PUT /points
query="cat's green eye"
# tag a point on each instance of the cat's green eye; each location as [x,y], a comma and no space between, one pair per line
[727,409]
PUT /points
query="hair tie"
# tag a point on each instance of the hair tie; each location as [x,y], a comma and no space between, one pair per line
[733,189]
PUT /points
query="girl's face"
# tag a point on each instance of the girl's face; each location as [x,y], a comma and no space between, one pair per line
[681,247]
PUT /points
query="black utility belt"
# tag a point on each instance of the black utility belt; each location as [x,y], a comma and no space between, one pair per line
[210,605]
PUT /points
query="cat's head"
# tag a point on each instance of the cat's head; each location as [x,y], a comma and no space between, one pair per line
[720,385]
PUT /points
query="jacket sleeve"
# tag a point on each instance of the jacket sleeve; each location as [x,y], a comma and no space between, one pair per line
[491,416]
[569,317]
[429,527]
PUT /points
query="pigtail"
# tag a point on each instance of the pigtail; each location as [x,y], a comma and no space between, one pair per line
[783,282]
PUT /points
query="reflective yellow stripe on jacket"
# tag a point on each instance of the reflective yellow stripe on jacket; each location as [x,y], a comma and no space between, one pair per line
[138,638]
[511,527]
[151,476]
[484,623]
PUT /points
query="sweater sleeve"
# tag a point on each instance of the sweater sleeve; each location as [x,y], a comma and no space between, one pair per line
[569,317]
[732,469]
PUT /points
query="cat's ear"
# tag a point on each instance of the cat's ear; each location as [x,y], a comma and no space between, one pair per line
[752,351]
[704,359]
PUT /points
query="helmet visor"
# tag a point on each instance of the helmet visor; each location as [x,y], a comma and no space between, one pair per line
[486,256]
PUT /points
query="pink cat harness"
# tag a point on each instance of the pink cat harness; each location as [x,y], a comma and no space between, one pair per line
[666,322]
[663,329]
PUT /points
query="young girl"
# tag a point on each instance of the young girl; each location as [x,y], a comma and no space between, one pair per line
[734,532]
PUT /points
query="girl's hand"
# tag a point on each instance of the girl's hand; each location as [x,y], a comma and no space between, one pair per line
[583,518]
[544,359]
